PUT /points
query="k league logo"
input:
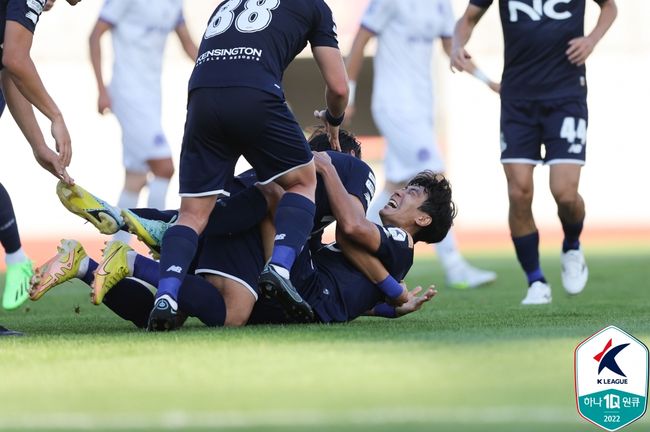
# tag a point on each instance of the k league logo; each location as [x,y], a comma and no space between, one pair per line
[611,373]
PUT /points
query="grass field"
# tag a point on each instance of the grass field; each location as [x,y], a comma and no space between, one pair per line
[470,361]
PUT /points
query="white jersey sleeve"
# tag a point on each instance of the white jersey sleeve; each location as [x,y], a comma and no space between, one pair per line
[378,15]
[448,19]
[114,10]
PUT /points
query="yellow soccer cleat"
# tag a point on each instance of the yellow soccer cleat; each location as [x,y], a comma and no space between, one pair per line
[62,267]
[17,284]
[98,212]
[113,268]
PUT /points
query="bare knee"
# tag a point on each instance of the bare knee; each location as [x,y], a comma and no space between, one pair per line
[163,168]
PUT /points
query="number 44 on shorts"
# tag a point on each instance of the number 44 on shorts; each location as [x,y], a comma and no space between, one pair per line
[574,129]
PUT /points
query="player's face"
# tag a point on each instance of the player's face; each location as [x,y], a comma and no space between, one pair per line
[403,206]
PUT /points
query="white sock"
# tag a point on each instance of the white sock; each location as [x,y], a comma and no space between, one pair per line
[447,252]
[83,268]
[378,203]
[130,260]
[158,192]
[16,257]
[127,200]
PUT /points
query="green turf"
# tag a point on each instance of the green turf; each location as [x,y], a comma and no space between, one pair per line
[471,361]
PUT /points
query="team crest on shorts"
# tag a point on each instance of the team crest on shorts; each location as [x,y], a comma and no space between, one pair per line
[611,378]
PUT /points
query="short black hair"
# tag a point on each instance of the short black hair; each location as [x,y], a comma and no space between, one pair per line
[438,206]
[318,141]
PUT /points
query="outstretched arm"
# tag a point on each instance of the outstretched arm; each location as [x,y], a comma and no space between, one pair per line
[471,68]
[413,304]
[94,42]
[354,64]
[331,65]
[22,72]
[581,48]
[186,41]
[462,33]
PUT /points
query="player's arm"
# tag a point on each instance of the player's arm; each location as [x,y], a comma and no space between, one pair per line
[186,41]
[332,69]
[413,304]
[23,113]
[470,67]
[354,64]
[347,209]
[581,48]
[21,70]
[462,33]
[94,42]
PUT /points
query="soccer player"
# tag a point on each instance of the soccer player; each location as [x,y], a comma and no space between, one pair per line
[236,107]
[543,101]
[337,290]
[139,34]
[403,104]
[23,89]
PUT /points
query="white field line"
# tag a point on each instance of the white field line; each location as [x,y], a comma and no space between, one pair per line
[184,419]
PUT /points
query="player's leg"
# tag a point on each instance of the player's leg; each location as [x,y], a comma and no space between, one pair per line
[19,267]
[131,300]
[207,164]
[158,157]
[566,130]
[521,138]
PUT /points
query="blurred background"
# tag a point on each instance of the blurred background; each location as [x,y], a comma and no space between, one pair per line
[467,119]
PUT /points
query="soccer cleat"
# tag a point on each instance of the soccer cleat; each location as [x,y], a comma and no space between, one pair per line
[466,276]
[98,212]
[6,332]
[274,286]
[62,267]
[163,316]
[148,231]
[112,269]
[17,281]
[539,293]
[574,271]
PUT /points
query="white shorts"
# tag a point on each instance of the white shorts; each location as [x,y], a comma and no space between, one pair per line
[143,138]
[411,144]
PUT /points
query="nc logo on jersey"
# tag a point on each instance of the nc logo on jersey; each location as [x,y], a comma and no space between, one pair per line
[611,378]
[538,9]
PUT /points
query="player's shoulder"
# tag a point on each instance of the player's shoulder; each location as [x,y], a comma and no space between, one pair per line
[397,236]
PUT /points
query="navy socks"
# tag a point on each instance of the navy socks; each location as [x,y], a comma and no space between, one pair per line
[179,246]
[294,220]
[572,233]
[130,300]
[9,236]
[527,248]
[199,298]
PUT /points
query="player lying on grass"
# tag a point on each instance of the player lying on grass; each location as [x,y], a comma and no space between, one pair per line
[244,209]
[335,288]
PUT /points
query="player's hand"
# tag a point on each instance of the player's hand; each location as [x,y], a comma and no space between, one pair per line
[48,5]
[459,59]
[495,87]
[322,161]
[579,49]
[332,131]
[104,102]
[62,139]
[402,299]
[415,302]
[51,161]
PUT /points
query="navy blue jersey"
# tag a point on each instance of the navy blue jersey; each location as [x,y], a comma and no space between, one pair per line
[536,35]
[336,290]
[24,12]
[357,178]
[249,43]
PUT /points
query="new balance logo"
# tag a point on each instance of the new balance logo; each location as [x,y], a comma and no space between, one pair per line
[175,269]
[280,237]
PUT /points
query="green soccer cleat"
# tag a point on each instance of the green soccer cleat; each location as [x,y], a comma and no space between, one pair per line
[148,231]
[17,283]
